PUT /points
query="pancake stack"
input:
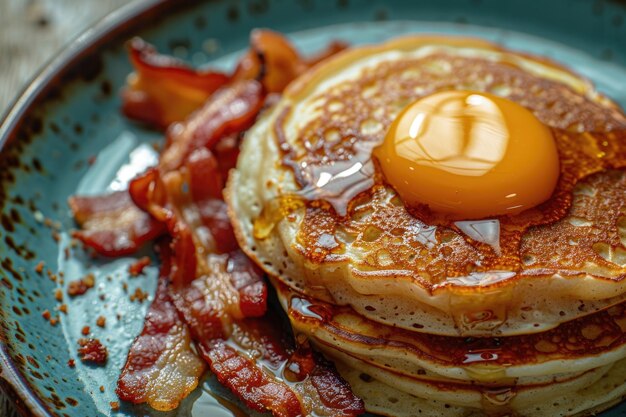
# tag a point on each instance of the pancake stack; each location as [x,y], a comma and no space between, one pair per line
[521,314]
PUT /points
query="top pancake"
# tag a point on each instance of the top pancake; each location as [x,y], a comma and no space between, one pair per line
[312,208]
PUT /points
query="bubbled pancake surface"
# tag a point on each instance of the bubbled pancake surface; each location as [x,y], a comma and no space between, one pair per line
[355,243]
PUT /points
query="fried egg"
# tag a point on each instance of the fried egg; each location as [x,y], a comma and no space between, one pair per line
[470,155]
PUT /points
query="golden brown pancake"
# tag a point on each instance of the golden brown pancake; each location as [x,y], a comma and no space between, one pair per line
[353,242]
[519,313]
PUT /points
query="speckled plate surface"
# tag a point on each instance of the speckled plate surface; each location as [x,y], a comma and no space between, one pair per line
[65,135]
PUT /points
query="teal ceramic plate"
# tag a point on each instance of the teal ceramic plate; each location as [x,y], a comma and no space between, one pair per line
[66,135]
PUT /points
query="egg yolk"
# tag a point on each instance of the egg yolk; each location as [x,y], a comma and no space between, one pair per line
[469,155]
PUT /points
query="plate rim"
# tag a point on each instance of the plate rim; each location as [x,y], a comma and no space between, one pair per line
[112,25]
[109,27]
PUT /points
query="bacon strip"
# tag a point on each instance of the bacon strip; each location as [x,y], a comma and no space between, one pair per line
[112,225]
[231,110]
[314,380]
[161,368]
[244,277]
[275,61]
[252,357]
[259,390]
[164,90]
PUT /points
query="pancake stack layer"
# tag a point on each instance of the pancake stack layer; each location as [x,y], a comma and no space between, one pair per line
[512,315]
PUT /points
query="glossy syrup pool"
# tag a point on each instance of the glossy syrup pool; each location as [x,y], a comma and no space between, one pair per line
[82,144]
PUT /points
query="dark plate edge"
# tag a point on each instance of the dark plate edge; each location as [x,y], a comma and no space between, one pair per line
[12,383]
[109,27]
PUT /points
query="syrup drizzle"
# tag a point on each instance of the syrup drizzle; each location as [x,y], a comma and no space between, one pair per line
[309,309]
[496,401]
[273,212]
[477,279]
[468,311]
[480,364]
[485,231]
[303,306]
[484,361]
[340,181]
[337,182]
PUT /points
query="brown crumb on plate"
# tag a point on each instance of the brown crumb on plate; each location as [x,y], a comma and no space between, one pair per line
[137,267]
[138,295]
[81,286]
[91,350]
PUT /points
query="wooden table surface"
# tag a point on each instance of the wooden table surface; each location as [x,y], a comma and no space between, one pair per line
[34,31]
[31,33]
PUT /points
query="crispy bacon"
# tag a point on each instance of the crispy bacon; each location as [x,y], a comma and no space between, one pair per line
[92,351]
[321,391]
[231,110]
[244,277]
[334,392]
[226,151]
[161,368]
[140,188]
[215,218]
[275,62]
[183,271]
[216,294]
[241,351]
[112,225]
[209,289]
[272,59]
[164,90]
[205,179]
[137,267]
[257,389]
